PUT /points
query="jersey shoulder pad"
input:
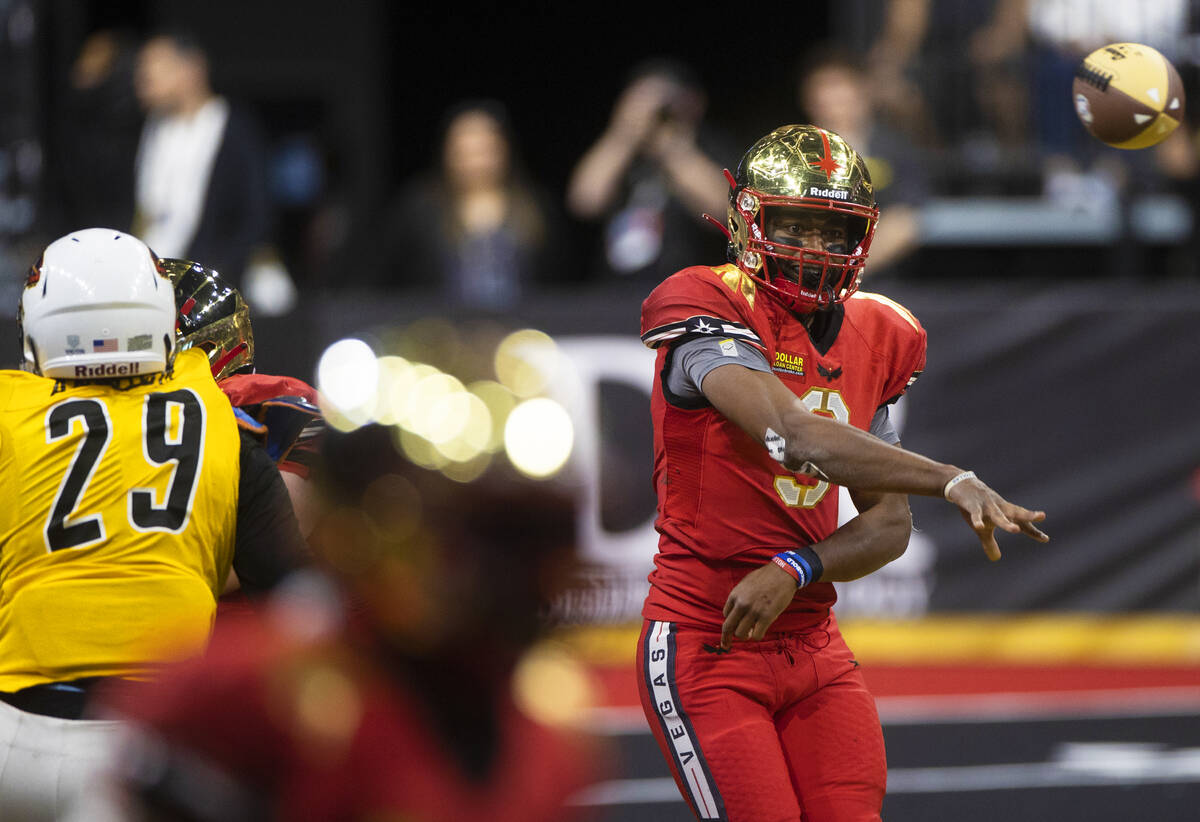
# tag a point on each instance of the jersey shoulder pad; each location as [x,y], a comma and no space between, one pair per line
[878,311]
[252,389]
[20,389]
[701,301]
[895,333]
[291,422]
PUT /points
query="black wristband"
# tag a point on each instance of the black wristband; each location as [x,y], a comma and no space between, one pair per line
[814,562]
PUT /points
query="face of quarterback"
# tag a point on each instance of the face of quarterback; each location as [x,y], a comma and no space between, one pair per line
[810,229]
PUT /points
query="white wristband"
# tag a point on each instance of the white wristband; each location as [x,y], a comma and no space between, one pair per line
[776,446]
[965,475]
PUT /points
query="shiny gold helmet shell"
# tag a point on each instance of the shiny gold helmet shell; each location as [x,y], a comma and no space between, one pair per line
[211,315]
[802,166]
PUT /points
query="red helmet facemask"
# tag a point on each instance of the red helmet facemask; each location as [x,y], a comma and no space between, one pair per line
[803,279]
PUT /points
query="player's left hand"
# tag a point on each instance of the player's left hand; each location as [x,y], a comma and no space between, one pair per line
[755,602]
[984,511]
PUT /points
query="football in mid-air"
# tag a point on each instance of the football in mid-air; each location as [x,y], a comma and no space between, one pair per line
[1128,95]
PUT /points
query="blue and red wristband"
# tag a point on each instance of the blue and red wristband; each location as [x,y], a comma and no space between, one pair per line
[803,564]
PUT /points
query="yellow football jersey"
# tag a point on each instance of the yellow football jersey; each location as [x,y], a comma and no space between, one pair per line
[117,521]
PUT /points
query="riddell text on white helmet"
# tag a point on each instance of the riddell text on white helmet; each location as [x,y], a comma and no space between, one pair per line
[831,193]
[109,370]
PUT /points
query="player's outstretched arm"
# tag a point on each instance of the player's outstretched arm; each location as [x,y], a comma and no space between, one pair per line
[804,442]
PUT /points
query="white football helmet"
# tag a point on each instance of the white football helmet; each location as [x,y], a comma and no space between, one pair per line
[97,306]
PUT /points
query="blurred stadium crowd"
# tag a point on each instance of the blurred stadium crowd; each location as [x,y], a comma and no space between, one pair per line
[482,188]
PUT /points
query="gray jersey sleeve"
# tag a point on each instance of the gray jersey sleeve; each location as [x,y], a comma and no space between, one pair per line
[881,426]
[692,360]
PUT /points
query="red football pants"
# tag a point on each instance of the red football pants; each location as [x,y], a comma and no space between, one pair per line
[780,730]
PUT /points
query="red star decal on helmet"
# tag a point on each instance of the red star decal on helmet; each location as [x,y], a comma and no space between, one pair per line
[826,163]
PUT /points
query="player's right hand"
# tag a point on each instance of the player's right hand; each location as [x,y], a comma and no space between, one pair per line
[755,602]
[985,511]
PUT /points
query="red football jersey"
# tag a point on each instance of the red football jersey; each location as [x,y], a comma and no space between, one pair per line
[725,506]
[317,730]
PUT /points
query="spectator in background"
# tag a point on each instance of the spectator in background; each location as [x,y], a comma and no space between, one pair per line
[98,139]
[914,53]
[651,175]
[937,75]
[422,702]
[477,228]
[835,92]
[200,181]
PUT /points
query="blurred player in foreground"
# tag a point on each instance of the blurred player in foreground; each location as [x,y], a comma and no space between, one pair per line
[213,316]
[773,376]
[404,706]
[129,492]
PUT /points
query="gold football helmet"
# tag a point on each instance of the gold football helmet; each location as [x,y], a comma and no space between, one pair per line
[211,315]
[817,172]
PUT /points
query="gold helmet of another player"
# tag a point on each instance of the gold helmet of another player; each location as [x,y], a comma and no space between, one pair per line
[211,315]
[807,168]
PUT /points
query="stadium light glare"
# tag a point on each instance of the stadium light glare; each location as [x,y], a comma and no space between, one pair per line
[526,362]
[538,437]
[348,379]
[500,403]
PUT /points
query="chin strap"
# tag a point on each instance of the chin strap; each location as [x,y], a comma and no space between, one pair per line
[720,226]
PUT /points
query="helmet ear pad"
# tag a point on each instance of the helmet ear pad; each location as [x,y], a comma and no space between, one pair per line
[742,226]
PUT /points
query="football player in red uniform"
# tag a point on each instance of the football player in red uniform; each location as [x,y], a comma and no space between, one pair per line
[774,377]
[405,706]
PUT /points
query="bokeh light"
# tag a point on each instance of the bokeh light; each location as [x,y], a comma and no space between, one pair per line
[420,450]
[526,362]
[500,402]
[552,686]
[441,424]
[396,378]
[464,428]
[348,379]
[426,404]
[470,470]
[538,437]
